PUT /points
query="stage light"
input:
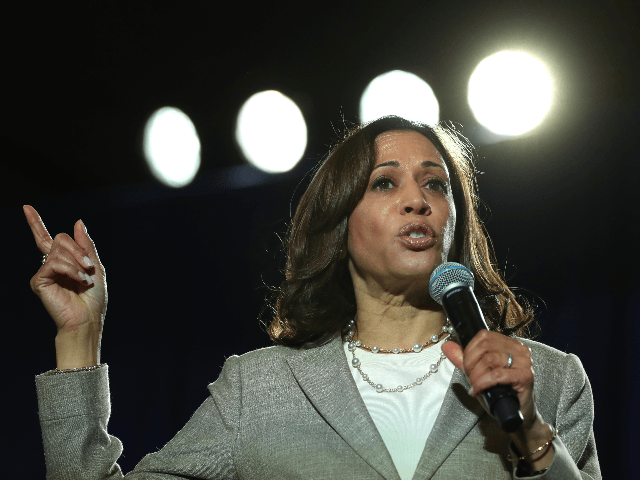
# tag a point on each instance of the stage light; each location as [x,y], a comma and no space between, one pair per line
[271,132]
[510,92]
[171,147]
[399,93]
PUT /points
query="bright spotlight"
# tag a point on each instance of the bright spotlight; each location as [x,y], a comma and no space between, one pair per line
[399,93]
[510,92]
[171,147]
[271,132]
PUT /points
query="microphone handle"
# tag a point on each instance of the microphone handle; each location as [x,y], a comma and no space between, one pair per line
[464,313]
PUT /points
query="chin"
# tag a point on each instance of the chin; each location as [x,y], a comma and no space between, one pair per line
[420,266]
[419,275]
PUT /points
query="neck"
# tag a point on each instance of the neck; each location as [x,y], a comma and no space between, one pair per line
[393,322]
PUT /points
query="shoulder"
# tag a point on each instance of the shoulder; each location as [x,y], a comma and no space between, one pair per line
[544,353]
[542,350]
[560,378]
[553,364]
[263,357]
[262,368]
[279,355]
[274,367]
[269,364]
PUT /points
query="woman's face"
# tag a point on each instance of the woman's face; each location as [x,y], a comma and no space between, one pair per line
[404,225]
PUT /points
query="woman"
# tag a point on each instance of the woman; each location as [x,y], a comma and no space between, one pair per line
[391,202]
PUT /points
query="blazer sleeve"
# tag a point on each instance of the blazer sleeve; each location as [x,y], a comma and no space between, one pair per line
[569,407]
[74,412]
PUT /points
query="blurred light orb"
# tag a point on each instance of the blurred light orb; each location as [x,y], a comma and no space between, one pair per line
[399,93]
[510,92]
[271,132]
[171,147]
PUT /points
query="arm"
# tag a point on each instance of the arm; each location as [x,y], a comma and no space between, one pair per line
[205,447]
[571,455]
[575,449]
[74,412]
[74,407]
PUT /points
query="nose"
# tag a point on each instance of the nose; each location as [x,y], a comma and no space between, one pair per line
[414,201]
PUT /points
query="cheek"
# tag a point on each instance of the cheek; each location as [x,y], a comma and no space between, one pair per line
[364,229]
[448,233]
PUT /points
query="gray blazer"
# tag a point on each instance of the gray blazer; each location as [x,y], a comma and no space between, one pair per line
[285,413]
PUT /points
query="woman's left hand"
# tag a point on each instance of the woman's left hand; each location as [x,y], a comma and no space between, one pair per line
[485,361]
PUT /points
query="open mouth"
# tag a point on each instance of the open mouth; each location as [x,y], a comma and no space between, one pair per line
[416,230]
[417,236]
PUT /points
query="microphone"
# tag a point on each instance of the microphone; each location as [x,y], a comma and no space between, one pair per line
[451,285]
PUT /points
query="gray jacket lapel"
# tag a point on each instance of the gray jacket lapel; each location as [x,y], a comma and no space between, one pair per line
[323,374]
[458,415]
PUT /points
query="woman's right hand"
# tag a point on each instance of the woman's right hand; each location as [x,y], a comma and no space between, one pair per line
[72,287]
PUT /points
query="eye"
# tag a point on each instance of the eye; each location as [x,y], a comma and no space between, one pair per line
[437,185]
[382,183]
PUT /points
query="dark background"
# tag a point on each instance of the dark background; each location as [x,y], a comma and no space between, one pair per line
[188,268]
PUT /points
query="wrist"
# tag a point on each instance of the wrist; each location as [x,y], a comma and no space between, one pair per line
[533,446]
[529,438]
[77,349]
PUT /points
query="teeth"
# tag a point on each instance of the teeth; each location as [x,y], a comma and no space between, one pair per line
[417,235]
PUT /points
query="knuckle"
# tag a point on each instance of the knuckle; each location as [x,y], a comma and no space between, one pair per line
[497,374]
[60,237]
[64,241]
[55,255]
[529,375]
[487,361]
[483,334]
[482,342]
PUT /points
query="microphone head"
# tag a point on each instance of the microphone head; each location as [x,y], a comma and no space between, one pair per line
[446,274]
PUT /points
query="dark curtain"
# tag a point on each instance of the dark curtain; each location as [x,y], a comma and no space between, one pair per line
[188,272]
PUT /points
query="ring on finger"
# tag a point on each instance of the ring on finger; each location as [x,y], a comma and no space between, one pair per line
[510,361]
[44,258]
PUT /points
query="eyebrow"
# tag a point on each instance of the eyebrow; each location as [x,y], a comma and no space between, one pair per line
[394,163]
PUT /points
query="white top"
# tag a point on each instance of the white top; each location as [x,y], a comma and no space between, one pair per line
[404,419]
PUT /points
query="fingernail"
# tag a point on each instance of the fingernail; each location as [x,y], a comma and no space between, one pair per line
[84,226]
[471,391]
[83,276]
[87,261]
[90,279]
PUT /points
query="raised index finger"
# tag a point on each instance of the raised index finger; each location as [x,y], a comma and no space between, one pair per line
[40,233]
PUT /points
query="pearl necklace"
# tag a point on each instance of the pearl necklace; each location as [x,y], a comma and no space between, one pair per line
[433,368]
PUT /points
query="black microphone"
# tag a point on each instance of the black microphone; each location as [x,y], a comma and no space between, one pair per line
[451,285]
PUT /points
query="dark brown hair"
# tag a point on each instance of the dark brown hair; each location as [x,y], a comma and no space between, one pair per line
[317,299]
